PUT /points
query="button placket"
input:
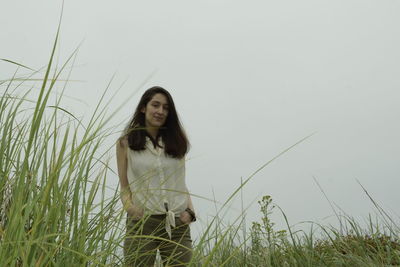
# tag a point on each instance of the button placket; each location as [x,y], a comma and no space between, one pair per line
[162,176]
[170,215]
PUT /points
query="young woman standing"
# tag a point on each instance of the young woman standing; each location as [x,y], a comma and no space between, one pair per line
[151,168]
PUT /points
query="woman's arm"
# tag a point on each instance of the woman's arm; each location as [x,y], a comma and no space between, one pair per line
[190,203]
[188,216]
[126,194]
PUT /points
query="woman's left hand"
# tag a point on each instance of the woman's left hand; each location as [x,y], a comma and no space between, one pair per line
[185,217]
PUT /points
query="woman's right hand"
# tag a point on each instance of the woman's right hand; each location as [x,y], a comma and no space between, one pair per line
[135,213]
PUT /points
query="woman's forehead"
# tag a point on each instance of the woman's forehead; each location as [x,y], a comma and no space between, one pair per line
[161,98]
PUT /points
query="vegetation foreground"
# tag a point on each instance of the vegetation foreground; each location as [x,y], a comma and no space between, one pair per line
[56,209]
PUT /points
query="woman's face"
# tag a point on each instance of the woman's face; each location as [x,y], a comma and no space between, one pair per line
[156,111]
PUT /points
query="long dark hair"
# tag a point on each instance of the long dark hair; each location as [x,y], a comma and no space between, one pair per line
[176,143]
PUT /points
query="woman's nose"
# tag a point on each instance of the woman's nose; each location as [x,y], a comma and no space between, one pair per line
[161,110]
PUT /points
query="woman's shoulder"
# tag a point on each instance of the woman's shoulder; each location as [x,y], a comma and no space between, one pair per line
[122,142]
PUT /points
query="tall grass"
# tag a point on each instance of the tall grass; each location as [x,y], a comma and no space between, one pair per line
[377,244]
[56,209]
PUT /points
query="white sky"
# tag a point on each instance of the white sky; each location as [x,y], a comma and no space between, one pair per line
[249,78]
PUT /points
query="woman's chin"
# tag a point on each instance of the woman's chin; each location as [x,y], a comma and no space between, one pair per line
[157,124]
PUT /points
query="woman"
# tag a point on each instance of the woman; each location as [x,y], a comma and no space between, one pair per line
[151,168]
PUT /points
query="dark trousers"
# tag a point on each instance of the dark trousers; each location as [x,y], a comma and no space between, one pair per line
[145,236]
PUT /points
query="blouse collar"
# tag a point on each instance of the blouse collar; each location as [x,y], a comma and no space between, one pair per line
[150,145]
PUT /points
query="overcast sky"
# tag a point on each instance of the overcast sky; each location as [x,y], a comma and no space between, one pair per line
[249,78]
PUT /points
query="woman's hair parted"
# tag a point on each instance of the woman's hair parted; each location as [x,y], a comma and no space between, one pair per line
[173,135]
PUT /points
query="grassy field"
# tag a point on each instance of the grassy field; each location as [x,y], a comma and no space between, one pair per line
[56,210]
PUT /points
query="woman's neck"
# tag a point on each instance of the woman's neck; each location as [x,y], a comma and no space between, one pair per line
[153,132]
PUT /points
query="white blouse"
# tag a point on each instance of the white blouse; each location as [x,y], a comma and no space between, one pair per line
[157,182]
